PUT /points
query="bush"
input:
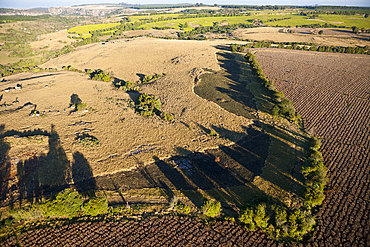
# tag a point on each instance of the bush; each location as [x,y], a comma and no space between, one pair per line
[148,105]
[211,208]
[277,221]
[126,86]
[247,217]
[166,116]
[67,203]
[315,174]
[33,212]
[183,208]
[151,78]
[96,206]
[87,140]
[100,75]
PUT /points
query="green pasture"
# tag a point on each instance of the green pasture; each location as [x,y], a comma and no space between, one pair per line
[204,21]
[87,28]
[339,20]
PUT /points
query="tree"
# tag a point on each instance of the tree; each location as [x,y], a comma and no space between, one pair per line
[75,100]
[366,15]
[321,31]
[355,29]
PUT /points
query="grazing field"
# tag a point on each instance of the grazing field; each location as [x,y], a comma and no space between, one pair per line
[237,148]
[155,21]
[331,92]
[85,29]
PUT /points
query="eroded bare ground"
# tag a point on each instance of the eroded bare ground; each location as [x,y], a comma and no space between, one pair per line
[331,92]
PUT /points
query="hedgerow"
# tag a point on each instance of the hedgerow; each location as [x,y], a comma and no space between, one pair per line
[283,107]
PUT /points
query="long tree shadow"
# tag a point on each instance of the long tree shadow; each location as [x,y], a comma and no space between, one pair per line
[55,166]
[49,173]
[250,152]
[5,165]
[82,175]
[45,174]
[226,88]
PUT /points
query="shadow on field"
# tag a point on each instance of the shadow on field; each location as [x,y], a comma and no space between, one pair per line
[34,77]
[226,173]
[82,174]
[41,175]
[223,47]
[5,165]
[226,89]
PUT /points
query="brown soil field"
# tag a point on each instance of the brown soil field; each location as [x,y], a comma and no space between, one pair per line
[331,92]
[333,37]
[166,231]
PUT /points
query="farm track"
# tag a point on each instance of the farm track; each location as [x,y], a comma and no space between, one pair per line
[332,94]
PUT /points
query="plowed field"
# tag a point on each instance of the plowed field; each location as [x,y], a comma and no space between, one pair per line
[332,93]
[167,231]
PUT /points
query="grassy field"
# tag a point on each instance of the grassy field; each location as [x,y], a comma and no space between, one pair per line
[340,20]
[87,28]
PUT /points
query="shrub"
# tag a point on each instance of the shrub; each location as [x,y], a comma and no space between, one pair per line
[183,208]
[151,78]
[213,133]
[96,206]
[260,217]
[148,105]
[33,212]
[166,116]
[315,174]
[247,217]
[100,75]
[275,111]
[277,221]
[67,203]
[126,86]
[313,197]
[211,208]
[87,140]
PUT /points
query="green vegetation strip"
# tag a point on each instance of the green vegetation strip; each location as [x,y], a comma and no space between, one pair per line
[299,46]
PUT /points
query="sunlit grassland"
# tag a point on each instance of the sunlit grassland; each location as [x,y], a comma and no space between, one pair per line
[87,28]
[340,20]
[203,21]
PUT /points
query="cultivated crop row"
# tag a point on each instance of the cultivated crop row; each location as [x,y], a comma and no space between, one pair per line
[343,74]
[331,93]
[166,231]
[329,114]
